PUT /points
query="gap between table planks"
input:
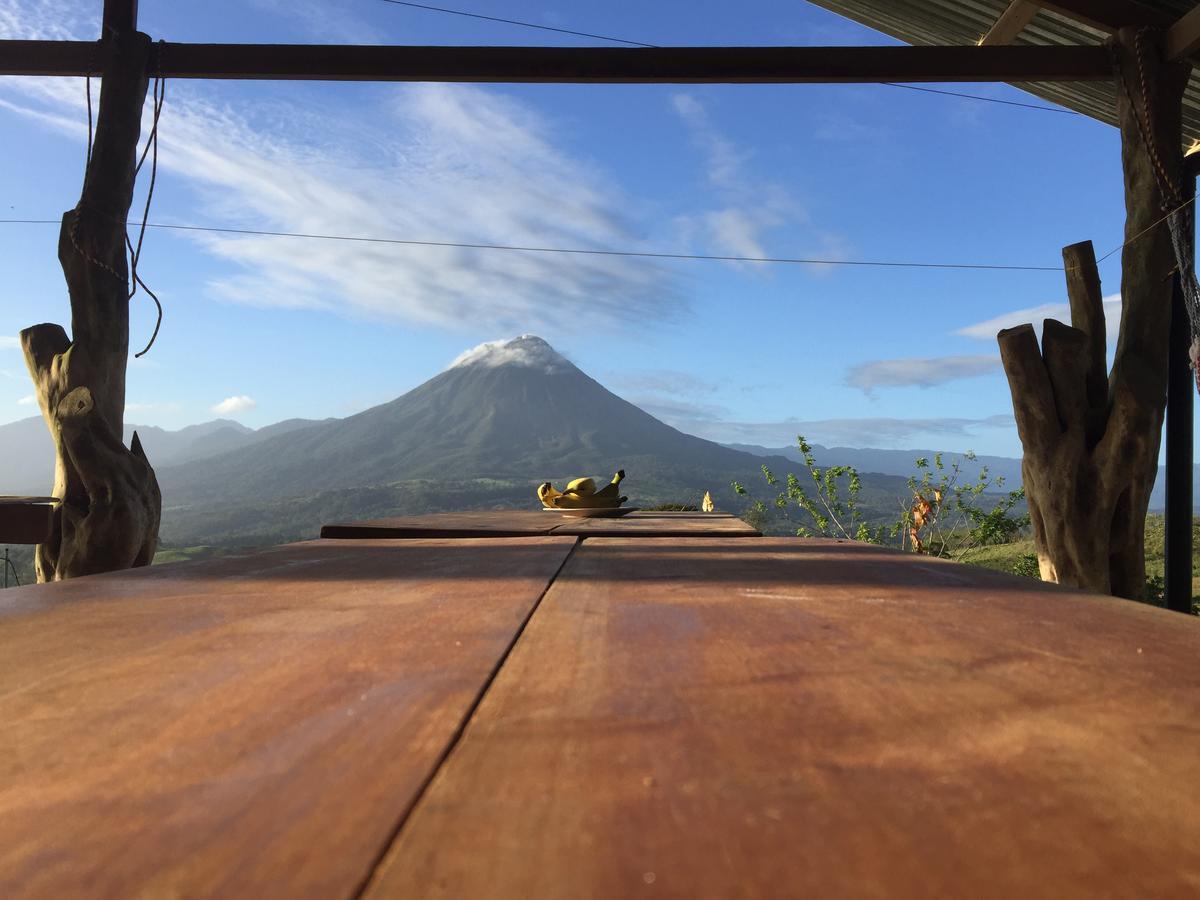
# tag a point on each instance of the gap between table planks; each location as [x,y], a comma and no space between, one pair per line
[781,718]
[249,726]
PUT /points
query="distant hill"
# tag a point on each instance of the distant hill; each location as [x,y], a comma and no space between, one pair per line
[512,410]
[485,432]
[900,462]
[27,454]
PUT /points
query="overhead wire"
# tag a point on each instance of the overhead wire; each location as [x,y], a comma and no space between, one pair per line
[927,90]
[587,251]
[617,40]
[470,15]
[152,146]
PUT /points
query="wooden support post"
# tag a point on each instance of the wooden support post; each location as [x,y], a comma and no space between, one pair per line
[1181,393]
[1091,447]
[120,18]
[108,516]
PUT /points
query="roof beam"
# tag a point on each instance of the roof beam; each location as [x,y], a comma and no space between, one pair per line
[1015,17]
[616,65]
[1183,38]
[1109,15]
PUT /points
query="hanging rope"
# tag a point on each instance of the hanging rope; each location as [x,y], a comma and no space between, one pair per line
[1174,198]
[135,253]
[158,95]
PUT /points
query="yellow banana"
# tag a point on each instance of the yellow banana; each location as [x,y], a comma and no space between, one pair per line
[581,486]
[611,489]
[582,494]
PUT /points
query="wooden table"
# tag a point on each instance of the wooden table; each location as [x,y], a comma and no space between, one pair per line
[255,726]
[682,718]
[523,522]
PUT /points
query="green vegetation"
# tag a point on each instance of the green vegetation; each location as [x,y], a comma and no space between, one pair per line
[1019,558]
[21,562]
[970,521]
[832,508]
[945,514]
[951,517]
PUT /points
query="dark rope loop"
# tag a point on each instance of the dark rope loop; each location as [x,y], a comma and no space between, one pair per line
[135,253]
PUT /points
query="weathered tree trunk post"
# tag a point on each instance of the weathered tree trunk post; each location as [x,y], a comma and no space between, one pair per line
[1091,442]
[109,515]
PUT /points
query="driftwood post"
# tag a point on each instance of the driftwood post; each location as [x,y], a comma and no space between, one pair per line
[109,515]
[1091,437]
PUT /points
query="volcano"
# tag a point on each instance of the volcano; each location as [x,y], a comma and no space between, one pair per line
[507,410]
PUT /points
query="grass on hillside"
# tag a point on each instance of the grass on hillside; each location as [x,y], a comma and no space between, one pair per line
[1020,558]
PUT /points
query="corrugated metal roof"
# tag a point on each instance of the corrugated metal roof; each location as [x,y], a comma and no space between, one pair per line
[931,22]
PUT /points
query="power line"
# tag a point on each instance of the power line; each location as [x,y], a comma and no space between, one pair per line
[643,254]
[471,15]
[925,90]
[617,40]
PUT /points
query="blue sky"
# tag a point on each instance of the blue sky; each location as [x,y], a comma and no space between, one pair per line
[263,329]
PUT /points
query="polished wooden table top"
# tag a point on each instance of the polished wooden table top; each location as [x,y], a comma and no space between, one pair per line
[596,718]
[255,726]
[517,522]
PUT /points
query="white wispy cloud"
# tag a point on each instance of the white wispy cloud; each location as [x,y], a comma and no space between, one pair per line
[429,162]
[661,381]
[919,372]
[718,423]
[725,160]
[751,207]
[879,431]
[528,351]
[691,416]
[235,404]
[27,400]
[48,20]
[335,24]
[987,329]
[9,343]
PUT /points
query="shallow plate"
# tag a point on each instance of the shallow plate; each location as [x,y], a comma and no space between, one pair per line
[611,512]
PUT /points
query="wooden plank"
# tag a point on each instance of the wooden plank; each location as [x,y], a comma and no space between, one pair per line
[1183,38]
[785,718]
[480,523]
[1011,23]
[26,520]
[660,525]
[517,522]
[582,65]
[245,727]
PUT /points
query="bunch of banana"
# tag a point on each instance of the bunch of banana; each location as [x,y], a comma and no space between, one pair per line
[582,494]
